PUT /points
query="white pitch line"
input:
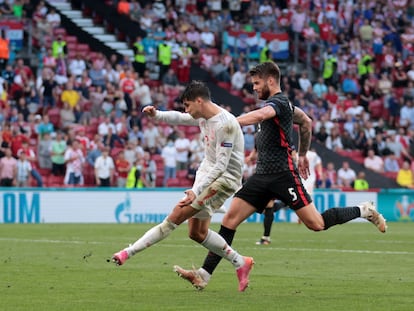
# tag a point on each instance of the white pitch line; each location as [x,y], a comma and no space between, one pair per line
[267,248]
[49,241]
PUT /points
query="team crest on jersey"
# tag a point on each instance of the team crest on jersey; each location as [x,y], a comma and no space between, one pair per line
[226,144]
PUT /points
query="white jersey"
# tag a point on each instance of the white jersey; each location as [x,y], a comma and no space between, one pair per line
[314,161]
[224,147]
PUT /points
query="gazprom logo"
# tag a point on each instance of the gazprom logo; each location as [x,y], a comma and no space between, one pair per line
[20,207]
[124,213]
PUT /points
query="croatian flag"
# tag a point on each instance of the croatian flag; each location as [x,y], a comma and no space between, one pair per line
[278,44]
[241,42]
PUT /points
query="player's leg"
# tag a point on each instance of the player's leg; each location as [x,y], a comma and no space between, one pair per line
[339,215]
[296,196]
[197,231]
[156,233]
[269,216]
[218,249]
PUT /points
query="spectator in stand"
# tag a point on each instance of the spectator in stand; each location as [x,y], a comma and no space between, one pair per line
[164,57]
[170,81]
[70,95]
[95,151]
[320,88]
[77,66]
[395,145]
[23,169]
[207,39]
[347,141]
[182,146]
[43,151]
[123,7]
[74,160]
[49,61]
[59,47]
[122,167]
[49,86]
[238,79]
[331,176]
[249,139]
[67,116]
[134,119]
[111,139]
[53,18]
[196,148]
[57,152]
[135,134]
[169,154]
[150,169]
[391,163]
[32,158]
[45,126]
[130,152]
[97,76]
[333,141]
[346,175]
[360,183]
[128,87]
[374,162]
[150,135]
[8,168]
[405,176]
[322,136]
[399,76]
[407,114]
[185,57]
[136,176]
[104,169]
[219,70]
[104,125]
[304,82]
[350,84]
[384,87]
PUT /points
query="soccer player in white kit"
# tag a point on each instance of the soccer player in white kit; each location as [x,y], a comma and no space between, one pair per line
[217,178]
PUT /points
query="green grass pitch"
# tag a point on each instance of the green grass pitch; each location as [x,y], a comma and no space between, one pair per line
[349,267]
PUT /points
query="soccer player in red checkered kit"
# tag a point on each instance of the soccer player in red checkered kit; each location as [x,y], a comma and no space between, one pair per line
[276,174]
[217,178]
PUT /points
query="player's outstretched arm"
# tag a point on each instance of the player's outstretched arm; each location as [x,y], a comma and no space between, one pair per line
[150,111]
[256,116]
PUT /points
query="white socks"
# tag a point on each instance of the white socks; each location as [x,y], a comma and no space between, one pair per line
[215,243]
[152,236]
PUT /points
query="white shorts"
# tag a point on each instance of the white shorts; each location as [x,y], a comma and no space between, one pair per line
[214,196]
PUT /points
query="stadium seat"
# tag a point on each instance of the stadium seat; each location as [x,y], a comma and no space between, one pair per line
[59,31]
[173,182]
[185,183]
[54,116]
[71,39]
[224,85]
[376,109]
[82,47]
[181,174]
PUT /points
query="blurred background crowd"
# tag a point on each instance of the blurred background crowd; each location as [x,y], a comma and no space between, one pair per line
[73,115]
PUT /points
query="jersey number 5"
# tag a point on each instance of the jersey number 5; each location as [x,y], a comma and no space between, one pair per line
[293,194]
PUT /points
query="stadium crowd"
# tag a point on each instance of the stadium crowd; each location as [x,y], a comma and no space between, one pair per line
[62,122]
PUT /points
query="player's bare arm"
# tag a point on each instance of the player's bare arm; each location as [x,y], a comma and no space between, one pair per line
[305,130]
[257,116]
[305,135]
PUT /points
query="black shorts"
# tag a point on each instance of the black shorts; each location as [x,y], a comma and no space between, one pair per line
[258,190]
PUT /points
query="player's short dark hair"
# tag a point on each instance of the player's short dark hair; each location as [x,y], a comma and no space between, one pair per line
[266,69]
[195,89]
